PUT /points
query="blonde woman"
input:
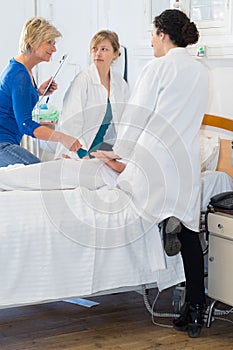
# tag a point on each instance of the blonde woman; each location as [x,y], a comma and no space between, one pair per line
[19,94]
[94,102]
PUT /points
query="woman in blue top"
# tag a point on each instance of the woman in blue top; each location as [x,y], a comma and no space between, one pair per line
[19,95]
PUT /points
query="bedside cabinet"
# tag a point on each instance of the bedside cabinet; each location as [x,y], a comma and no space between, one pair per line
[220,259]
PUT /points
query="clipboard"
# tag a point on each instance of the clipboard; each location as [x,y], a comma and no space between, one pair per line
[53,77]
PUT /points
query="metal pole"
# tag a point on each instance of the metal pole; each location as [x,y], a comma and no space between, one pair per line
[37,110]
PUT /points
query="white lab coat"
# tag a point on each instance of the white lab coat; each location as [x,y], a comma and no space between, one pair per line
[164,114]
[85,104]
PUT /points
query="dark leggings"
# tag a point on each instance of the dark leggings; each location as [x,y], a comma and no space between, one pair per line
[193,261]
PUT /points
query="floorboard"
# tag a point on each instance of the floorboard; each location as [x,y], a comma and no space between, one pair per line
[119,322]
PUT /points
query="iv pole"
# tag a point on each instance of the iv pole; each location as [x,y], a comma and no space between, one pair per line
[37,110]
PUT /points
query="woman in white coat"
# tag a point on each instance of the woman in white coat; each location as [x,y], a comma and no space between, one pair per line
[160,138]
[95,98]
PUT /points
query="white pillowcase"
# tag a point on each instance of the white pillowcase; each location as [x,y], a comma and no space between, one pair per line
[210,146]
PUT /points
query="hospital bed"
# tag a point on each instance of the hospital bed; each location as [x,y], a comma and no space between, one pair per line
[217,171]
[219,233]
[55,246]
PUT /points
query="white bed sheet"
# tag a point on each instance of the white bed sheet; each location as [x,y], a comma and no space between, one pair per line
[55,246]
[92,174]
[57,174]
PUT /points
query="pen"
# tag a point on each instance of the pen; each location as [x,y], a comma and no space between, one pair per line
[47,100]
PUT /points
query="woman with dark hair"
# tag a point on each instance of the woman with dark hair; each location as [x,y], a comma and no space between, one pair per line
[176,27]
[160,135]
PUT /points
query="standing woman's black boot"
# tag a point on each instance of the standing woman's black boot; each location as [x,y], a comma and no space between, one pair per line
[190,320]
[196,320]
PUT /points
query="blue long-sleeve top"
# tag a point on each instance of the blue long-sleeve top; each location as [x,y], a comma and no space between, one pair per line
[18,97]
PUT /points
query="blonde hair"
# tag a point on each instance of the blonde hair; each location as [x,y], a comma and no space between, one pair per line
[106,34]
[35,31]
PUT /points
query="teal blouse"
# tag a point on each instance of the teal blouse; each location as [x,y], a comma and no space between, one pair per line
[98,140]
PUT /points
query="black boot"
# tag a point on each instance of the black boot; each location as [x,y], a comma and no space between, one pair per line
[190,319]
[181,323]
[196,320]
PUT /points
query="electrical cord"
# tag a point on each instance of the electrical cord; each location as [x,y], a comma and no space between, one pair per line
[150,308]
[154,314]
[223,319]
[218,312]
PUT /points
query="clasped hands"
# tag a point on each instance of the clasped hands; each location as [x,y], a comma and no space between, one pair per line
[110,158]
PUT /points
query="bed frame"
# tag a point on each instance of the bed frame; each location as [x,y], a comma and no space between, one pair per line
[224,124]
[218,122]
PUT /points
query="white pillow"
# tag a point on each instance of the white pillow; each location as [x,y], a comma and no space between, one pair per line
[210,146]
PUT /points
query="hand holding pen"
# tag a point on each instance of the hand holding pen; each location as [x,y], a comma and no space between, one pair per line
[44,90]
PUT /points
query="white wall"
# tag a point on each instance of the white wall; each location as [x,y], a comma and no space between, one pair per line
[13,16]
[221,82]
[78,20]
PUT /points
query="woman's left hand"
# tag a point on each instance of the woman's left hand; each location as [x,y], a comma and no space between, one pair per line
[43,87]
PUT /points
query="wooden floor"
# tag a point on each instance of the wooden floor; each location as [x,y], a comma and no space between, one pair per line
[120,322]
